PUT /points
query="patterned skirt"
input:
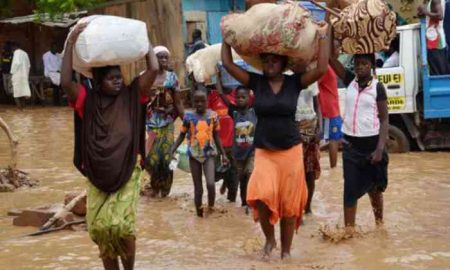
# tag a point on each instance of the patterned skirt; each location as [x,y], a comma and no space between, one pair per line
[111,217]
[158,159]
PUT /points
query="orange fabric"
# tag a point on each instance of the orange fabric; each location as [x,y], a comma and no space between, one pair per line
[278,180]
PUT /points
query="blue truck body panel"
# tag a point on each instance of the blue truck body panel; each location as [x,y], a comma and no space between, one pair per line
[436,89]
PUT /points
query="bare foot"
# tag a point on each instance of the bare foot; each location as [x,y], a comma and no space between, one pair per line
[349,232]
[285,256]
[154,193]
[379,224]
[199,212]
[223,189]
[268,248]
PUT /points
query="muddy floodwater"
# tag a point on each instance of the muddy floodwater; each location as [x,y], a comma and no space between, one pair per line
[170,236]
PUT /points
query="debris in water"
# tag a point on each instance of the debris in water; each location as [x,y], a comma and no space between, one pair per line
[11,180]
[339,234]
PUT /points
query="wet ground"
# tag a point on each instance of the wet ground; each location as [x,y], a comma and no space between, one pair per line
[170,236]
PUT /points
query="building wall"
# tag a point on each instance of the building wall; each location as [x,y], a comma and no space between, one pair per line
[213,11]
[163,19]
[33,39]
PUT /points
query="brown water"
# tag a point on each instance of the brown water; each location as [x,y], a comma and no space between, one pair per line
[416,236]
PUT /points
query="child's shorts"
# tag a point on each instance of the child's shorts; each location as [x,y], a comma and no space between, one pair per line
[246,165]
[332,129]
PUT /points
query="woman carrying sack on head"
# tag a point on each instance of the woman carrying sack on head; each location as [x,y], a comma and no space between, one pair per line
[277,187]
[109,136]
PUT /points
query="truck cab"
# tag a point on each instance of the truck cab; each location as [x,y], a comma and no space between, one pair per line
[419,104]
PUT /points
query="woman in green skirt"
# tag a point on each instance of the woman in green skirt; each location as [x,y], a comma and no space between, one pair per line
[109,136]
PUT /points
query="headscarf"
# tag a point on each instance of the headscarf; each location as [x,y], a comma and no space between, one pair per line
[160,49]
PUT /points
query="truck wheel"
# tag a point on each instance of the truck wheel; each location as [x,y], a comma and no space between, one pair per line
[397,141]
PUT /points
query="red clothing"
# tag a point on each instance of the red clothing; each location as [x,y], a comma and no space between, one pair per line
[216,104]
[328,94]
[78,105]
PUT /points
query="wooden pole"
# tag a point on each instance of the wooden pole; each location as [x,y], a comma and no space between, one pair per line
[13,142]
[67,208]
[331,11]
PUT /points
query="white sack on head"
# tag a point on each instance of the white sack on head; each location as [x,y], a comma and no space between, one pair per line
[203,63]
[107,41]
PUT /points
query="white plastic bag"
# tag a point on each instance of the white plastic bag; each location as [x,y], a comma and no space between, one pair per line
[203,63]
[109,40]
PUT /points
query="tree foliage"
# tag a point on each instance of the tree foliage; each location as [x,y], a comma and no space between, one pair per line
[51,7]
[56,7]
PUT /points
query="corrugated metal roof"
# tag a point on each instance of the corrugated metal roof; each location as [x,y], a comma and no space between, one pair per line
[65,20]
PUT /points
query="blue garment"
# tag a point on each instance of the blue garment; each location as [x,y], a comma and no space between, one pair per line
[332,129]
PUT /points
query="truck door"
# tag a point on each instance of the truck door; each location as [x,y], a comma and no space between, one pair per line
[394,81]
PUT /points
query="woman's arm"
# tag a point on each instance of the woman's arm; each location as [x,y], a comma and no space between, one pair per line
[220,146]
[67,83]
[337,66]
[314,75]
[220,89]
[147,79]
[383,115]
[236,71]
[319,118]
[178,104]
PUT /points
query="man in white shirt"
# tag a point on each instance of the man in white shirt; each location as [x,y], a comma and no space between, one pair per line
[52,68]
[393,59]
[20,72]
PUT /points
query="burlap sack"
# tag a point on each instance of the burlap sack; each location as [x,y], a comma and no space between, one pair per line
[203,63]
[286,29]
[365,27]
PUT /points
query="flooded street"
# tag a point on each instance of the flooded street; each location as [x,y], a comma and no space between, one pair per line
[170,236]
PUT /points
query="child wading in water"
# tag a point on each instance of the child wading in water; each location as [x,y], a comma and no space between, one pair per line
[245,119]
[201,128]
[309,118]
[366,125]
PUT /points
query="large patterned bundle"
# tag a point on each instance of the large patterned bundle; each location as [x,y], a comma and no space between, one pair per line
[339,4]
[365,27]
[285,29]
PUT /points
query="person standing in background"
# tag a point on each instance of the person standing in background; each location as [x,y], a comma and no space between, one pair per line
[435,35]
[163,109]
[197,42]
[20,71]
[309,120]
[447,26]
[329,106]
[219,104]
[52,70]
[6,60]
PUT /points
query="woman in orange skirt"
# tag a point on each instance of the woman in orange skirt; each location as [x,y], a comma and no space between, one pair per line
[277,187]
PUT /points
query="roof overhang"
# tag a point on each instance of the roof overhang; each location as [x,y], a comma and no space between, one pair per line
[64,21]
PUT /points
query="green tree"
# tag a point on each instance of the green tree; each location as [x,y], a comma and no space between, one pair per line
[57,7]
[52,7]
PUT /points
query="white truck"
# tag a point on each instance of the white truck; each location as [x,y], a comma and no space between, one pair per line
[419,104]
